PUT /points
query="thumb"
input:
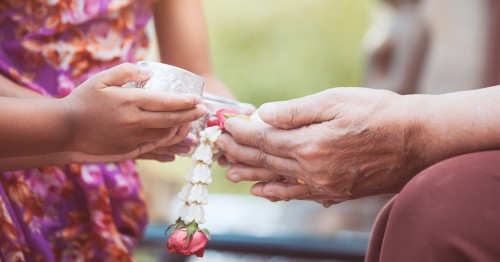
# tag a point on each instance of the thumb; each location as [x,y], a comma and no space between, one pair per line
[122,74]
[298,112]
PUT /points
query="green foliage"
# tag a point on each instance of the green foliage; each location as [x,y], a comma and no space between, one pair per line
[268,50]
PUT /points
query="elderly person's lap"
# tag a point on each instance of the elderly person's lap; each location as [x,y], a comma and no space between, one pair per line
[448,212]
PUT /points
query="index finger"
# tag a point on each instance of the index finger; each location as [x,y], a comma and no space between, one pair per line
[150,100]
[120,75]
[281,190]
[266,138]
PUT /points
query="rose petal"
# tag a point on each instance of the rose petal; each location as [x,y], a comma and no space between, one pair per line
[196,245]
[221,118]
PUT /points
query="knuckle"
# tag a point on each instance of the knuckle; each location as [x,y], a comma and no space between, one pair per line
[188,101]
[323,182]
[128,67]
[132,121]
[234,148]
[294,113]
[261,159]
[229,147]
[261,138]
[181,133]
[164,102]
[171,134]
[170,119]
[309,152]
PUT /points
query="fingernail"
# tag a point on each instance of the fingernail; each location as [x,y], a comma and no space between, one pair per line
[168,158]
[189,139]
[184,149]
[203,108]
[254,191]
[198,99]
[235,177]
[267,112]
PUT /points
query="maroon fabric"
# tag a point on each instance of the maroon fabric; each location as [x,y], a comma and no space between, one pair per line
[449,212]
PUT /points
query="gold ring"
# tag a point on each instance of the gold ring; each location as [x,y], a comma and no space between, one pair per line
[300,181]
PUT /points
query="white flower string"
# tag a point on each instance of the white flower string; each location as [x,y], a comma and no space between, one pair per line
[195,193]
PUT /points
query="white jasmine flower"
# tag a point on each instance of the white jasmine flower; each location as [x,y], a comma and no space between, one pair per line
[195,194]
[212,133]
[203,154]
[200,173]
[185,215]
[190,213]
[198,194]
[184,194]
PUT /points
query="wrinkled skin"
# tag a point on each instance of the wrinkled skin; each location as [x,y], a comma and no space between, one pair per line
[345,143]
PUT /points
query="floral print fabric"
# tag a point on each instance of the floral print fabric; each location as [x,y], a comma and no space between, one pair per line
[91,212]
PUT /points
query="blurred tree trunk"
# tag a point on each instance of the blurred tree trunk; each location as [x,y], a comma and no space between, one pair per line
[492,76]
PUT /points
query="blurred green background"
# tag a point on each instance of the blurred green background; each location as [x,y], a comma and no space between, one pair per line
[268,50]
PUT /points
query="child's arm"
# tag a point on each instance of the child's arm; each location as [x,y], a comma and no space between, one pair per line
[183,42]
[98,118]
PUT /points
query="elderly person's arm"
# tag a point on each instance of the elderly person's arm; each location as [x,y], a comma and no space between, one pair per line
[347,143]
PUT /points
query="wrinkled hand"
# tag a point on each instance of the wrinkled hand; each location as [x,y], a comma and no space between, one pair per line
[246,109]
[345,143]
[108,119]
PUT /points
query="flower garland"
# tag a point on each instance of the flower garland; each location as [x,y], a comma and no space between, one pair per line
[185,236]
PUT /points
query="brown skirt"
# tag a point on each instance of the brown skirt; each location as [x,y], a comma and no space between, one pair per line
[449,212]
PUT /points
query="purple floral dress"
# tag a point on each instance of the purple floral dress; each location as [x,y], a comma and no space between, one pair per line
[91,212]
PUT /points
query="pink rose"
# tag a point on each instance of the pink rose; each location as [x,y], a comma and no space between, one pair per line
[221,116]
[196,245]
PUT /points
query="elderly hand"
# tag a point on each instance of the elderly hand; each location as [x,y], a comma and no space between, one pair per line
[344,143]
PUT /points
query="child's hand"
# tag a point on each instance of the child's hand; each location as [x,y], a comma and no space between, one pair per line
[107,119]
[167,153]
